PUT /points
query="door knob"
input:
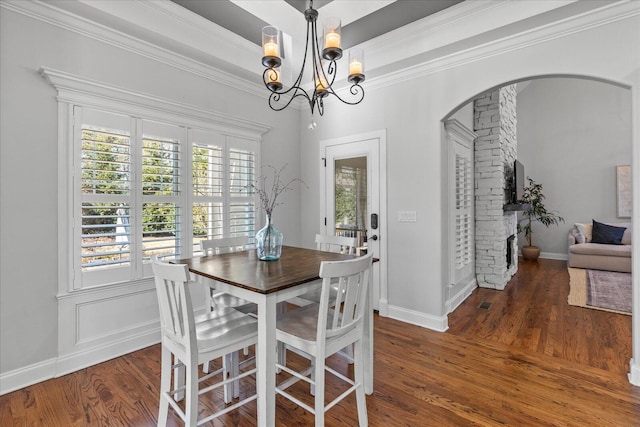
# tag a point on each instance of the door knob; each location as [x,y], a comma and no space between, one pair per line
[374,237]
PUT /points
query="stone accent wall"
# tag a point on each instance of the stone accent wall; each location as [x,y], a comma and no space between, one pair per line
[495,151]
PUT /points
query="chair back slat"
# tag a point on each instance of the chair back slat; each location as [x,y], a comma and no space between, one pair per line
[174,301]
[224,245]
[337,244]
[352,281]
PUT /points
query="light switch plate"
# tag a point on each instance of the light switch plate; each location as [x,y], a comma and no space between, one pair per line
[406,216]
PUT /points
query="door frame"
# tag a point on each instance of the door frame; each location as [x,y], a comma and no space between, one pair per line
[455,132]
[381,136]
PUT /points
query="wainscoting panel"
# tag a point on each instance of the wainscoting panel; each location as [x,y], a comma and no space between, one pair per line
[101,323]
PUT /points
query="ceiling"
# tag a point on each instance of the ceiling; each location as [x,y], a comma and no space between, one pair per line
[220,39]
[362,20]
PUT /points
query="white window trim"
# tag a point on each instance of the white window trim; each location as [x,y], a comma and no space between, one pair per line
[74,90]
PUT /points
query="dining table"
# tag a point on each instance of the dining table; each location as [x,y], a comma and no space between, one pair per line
[267,283]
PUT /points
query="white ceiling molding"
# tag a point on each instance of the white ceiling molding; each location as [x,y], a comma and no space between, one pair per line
[351,10]
[611,12]
[49,13]
[460,22]
[408,52]
[79,90]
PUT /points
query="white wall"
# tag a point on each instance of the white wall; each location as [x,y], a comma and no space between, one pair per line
[28,163]
[412,112]
[571,135]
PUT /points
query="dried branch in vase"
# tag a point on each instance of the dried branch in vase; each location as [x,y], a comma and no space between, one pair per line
[269,196]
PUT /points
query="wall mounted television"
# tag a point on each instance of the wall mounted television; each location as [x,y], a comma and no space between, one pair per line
[517,191]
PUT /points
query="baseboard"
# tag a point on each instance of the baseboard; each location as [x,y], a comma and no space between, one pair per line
[428,321]
[554,255]
[634,373]
[462,295]
[27,375]
[383,310]
[82,359]
[56,367]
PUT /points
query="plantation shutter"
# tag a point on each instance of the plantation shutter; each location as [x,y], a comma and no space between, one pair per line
[103,217]
[242,172]
[161,183]
[144,187]
[463,211]
[207,159]
[222,205]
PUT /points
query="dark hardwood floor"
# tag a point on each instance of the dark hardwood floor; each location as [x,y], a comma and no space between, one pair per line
[530,360]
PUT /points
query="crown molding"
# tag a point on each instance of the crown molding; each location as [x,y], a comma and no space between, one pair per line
[75,89]
[432,44]
[67,20]
[607,14]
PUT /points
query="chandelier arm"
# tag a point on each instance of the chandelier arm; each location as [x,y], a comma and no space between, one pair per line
[317,62]
[296,87]
[355,89]
[296,84]
[275,97]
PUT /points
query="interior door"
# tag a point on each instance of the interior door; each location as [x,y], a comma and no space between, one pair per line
[351,199]
[461,204]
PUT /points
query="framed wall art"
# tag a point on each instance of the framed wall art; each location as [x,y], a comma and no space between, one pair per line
[623,186]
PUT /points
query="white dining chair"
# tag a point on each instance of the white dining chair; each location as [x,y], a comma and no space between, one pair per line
[191,341]
[338,244]
[223,246]
[219,299]
[327,243]
[321,330]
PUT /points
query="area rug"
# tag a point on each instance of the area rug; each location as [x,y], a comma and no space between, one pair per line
[602,290]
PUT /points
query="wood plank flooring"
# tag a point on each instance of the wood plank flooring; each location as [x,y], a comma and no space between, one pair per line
[530,360]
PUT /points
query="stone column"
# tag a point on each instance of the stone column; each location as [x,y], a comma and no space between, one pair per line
[495,151]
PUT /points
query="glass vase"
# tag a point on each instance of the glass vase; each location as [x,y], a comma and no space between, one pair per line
[269,242]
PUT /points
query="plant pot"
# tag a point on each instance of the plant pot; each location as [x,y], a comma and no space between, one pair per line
[530,252]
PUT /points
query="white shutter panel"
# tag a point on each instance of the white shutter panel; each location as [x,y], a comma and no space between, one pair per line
[207,160]
[463,216]
[242,172]
[104,187]
[161,181]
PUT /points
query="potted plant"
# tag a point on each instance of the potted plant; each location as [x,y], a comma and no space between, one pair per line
[533,198]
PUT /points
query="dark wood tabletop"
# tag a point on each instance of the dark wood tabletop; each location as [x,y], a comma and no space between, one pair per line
[245,270]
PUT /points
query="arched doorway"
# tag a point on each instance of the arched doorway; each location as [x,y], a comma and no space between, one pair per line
[584,160]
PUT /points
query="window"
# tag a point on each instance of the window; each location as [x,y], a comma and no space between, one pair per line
[145,187]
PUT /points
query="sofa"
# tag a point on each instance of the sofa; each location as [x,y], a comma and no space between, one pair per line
[612,252]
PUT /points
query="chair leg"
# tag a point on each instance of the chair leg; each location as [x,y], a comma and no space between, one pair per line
[312,386]
[165,386]
[361,399]
[178,380]
[281,354]
[227,372]
[348,353]
[235,371]
[319,391]
[191,405]
[281,348]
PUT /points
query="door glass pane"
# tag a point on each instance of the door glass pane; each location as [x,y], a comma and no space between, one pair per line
[351,197]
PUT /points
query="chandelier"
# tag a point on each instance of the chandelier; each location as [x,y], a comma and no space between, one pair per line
[323,66]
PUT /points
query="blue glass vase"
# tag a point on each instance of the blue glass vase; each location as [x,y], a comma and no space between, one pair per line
[269,242]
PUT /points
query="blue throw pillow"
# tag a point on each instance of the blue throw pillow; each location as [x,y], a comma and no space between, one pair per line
[607,234]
